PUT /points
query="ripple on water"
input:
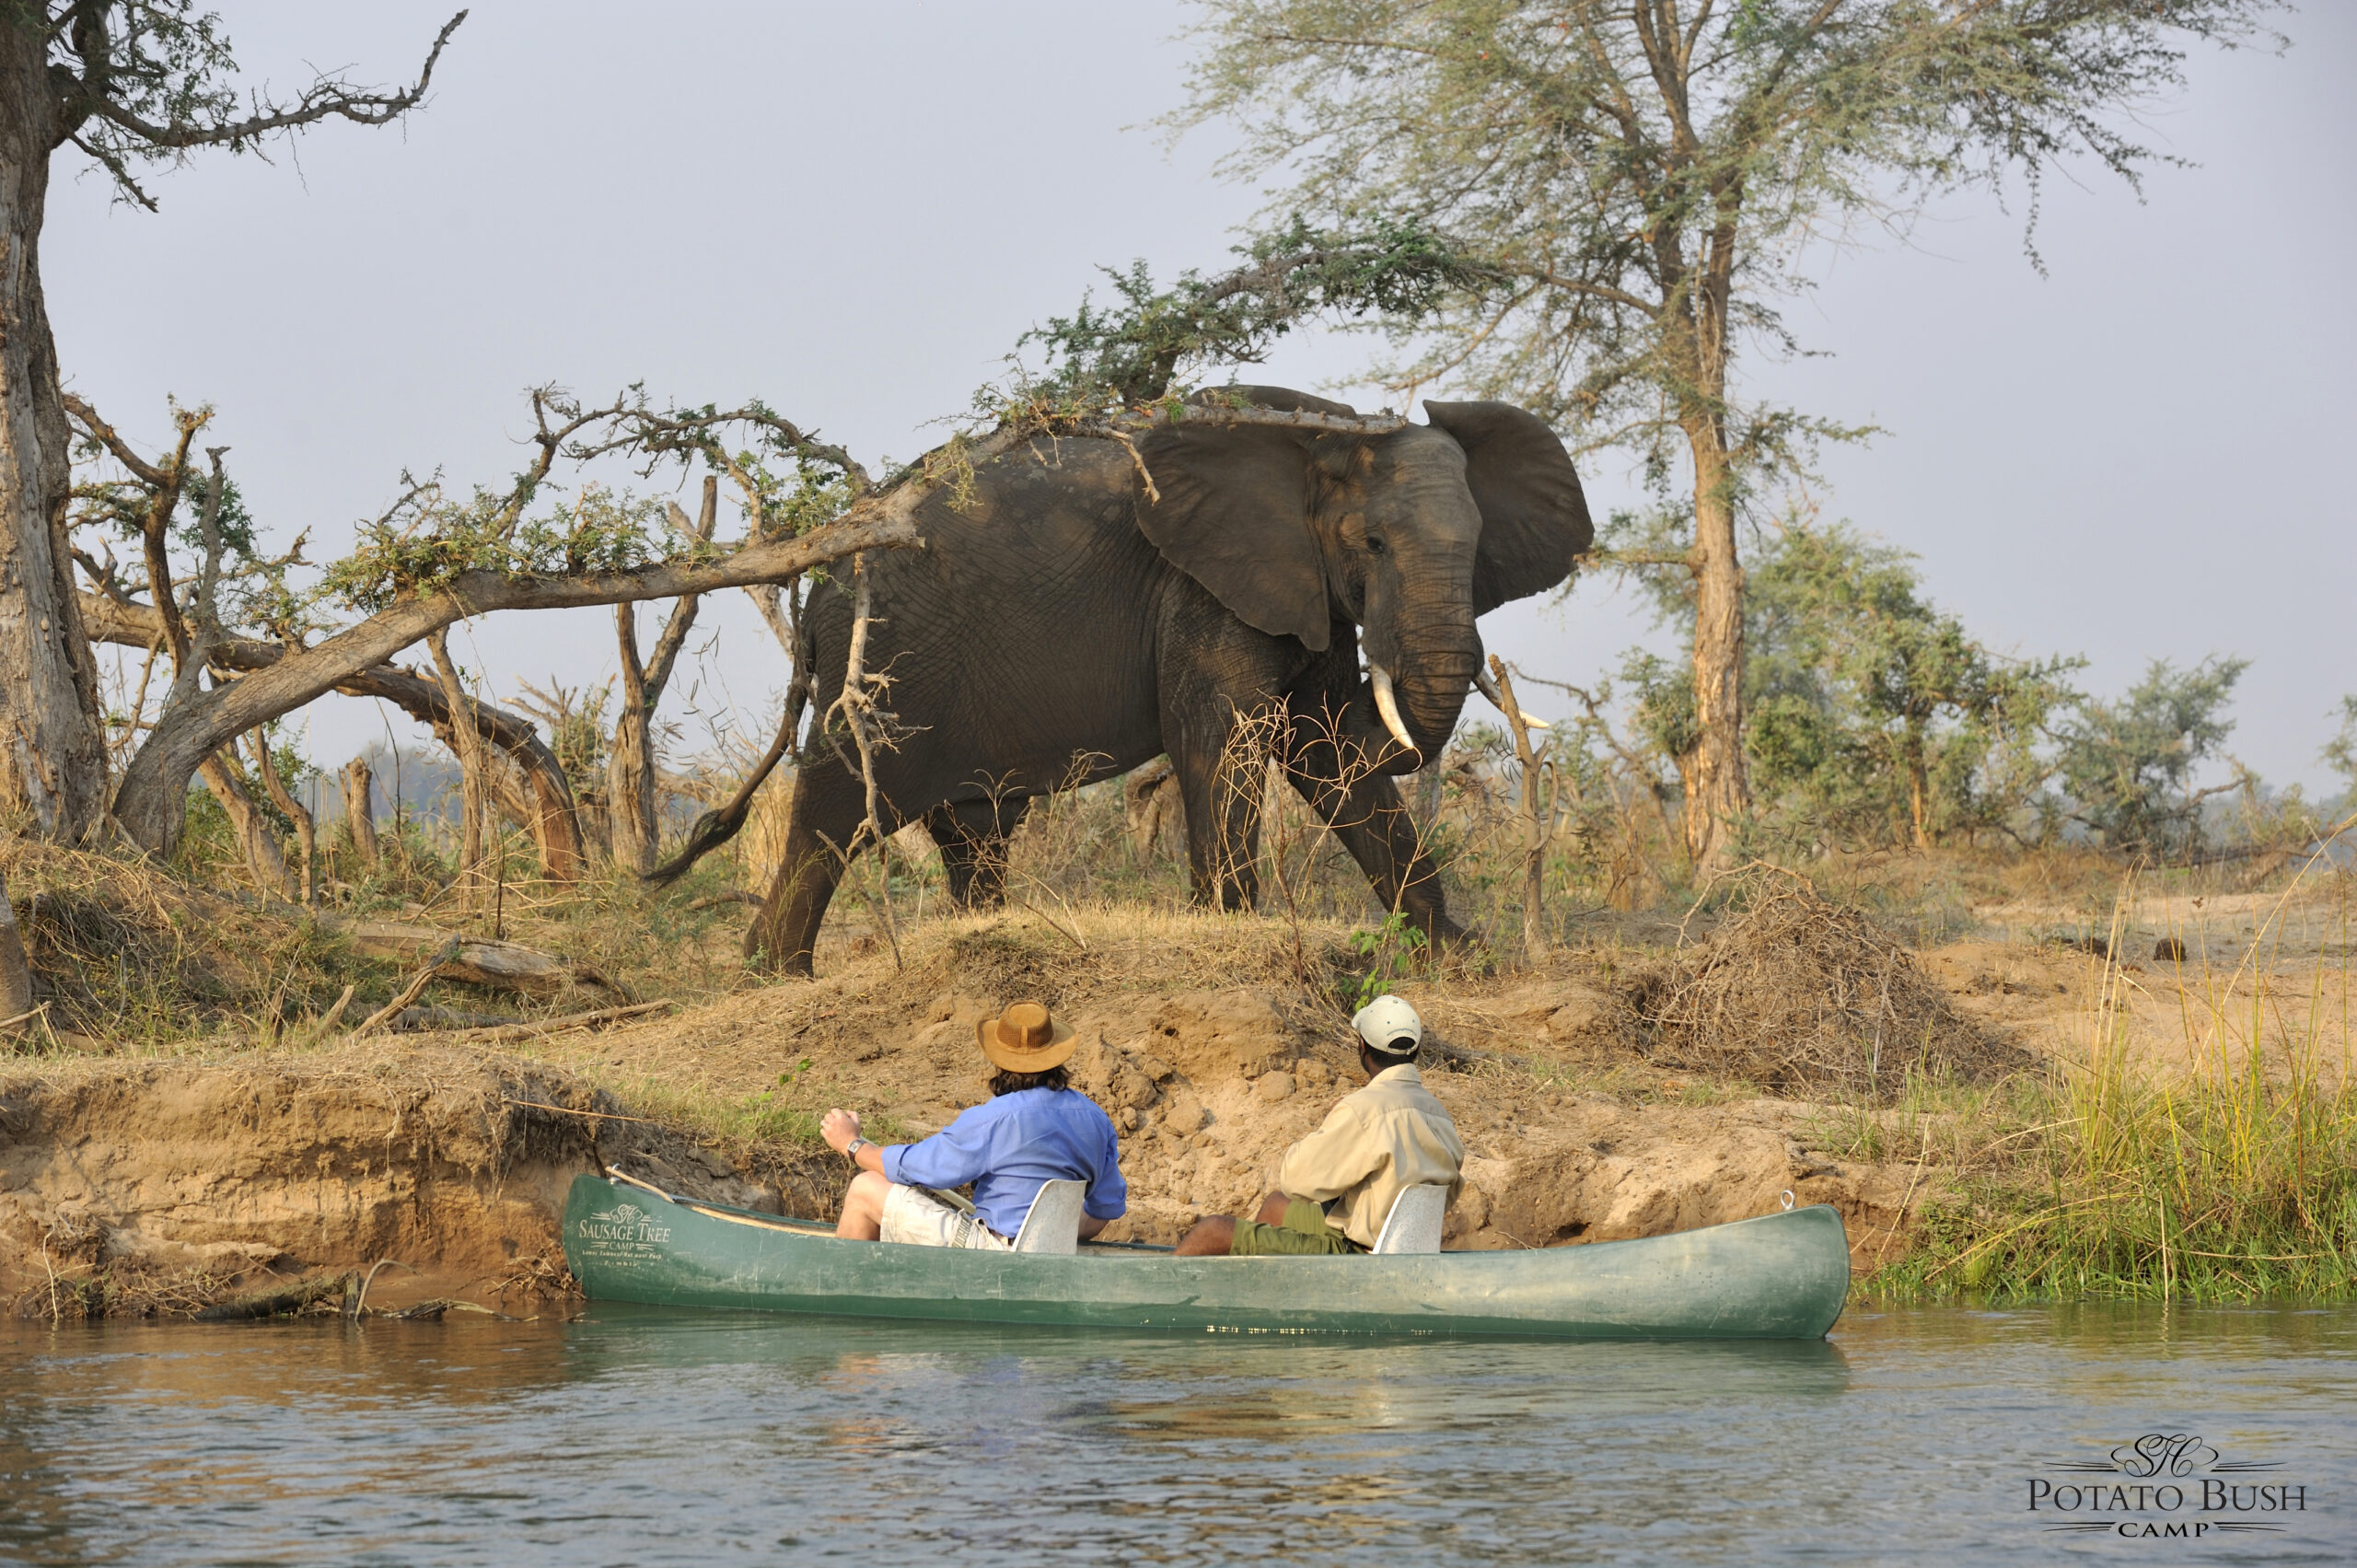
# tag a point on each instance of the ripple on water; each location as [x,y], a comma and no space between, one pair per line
[643,1437]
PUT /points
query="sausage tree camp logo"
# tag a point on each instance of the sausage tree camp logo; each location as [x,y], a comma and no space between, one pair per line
[2165,1485]
[623,1234]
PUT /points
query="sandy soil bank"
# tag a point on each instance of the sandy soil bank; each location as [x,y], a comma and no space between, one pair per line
[131,1184]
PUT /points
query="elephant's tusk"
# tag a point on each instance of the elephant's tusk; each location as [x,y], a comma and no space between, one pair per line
[1388,705]
[1488,687]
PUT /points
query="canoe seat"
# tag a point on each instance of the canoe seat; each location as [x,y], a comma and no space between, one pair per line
[1413,1224]
[1053,1223]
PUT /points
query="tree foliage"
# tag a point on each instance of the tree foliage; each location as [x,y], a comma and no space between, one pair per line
[2339,753]
[1627,187]
[1130,353]
[2125,767]
[1875,716]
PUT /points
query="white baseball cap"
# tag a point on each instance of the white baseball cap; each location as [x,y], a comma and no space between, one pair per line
[1390,1026]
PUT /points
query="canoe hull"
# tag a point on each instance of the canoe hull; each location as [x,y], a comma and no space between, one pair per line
[1781,1276]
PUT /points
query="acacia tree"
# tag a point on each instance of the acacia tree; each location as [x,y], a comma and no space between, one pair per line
[1631,186]
[2125,767]
[124,83]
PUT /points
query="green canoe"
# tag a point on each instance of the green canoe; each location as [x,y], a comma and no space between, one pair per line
[1779,1277]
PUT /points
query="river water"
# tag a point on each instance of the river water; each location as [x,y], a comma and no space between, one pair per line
[637,1436]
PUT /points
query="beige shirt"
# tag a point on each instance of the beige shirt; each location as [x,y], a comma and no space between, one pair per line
[1389,1135]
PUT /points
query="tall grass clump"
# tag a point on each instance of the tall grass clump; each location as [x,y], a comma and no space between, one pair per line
[2231,1177]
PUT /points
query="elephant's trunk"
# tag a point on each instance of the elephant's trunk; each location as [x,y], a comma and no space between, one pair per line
[1438,657]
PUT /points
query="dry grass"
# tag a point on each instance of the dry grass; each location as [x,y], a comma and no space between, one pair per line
[123,953]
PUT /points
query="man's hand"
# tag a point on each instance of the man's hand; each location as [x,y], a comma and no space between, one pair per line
[839,1127]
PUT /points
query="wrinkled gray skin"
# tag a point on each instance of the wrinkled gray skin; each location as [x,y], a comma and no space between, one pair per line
[1064,627]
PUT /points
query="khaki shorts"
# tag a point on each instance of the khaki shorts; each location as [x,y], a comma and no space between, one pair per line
[1305,1233]
[916,1218]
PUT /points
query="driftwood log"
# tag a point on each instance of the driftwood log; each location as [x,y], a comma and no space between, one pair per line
[499,966]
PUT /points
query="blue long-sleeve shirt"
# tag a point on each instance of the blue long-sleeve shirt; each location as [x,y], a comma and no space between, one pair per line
[1010,1146]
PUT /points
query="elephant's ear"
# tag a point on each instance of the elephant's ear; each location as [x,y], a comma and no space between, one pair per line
[1533,517]
[1233,515]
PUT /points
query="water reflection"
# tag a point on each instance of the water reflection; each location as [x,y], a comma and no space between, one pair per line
[642,1437]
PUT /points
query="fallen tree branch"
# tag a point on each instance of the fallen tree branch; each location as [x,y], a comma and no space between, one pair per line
[409,993]
[499,966]
[273,1303]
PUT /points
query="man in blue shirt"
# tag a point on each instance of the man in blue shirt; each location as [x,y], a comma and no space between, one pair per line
[1034,1128]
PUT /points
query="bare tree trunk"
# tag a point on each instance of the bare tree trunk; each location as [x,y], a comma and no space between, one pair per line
[264,856]
[1536,820]
[630,759]
[16,973]
[1917,784]
[52,749]
[306,832]
[467,747]
[360,810]
[1718,791]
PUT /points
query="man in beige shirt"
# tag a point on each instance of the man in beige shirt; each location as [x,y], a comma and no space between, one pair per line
[1336,1186]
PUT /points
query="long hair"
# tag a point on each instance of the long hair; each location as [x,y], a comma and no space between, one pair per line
[1005,1083]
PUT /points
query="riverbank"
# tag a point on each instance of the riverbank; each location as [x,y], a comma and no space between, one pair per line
[1957,1103]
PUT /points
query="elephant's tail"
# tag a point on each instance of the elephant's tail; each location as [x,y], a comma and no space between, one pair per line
[716,827]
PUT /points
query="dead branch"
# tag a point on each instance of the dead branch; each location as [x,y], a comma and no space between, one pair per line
[716,827]
[264,856]
[306,832]
[467,747]
[630,757]
[502,965]
[408,993]
[857,704]
[325,98]
[1535,823]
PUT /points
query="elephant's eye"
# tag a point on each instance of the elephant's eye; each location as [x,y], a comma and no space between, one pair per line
[1374,545]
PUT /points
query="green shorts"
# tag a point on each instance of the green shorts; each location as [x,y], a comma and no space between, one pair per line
[1305,1233]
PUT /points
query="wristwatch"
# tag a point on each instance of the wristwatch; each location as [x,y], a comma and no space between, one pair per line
[851,1150]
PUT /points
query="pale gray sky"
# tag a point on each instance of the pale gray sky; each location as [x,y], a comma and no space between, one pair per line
[853,211]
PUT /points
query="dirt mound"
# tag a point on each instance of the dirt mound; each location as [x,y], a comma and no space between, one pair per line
[1794,992]
[127,1188]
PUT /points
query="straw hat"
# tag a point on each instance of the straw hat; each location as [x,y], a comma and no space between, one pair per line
[1025,1040]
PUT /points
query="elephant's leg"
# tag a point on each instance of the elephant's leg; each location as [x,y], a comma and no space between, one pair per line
[972,836]
[1222,806]
[1365,813]
[829,805]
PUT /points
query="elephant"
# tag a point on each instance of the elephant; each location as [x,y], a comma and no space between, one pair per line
[1087,607]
